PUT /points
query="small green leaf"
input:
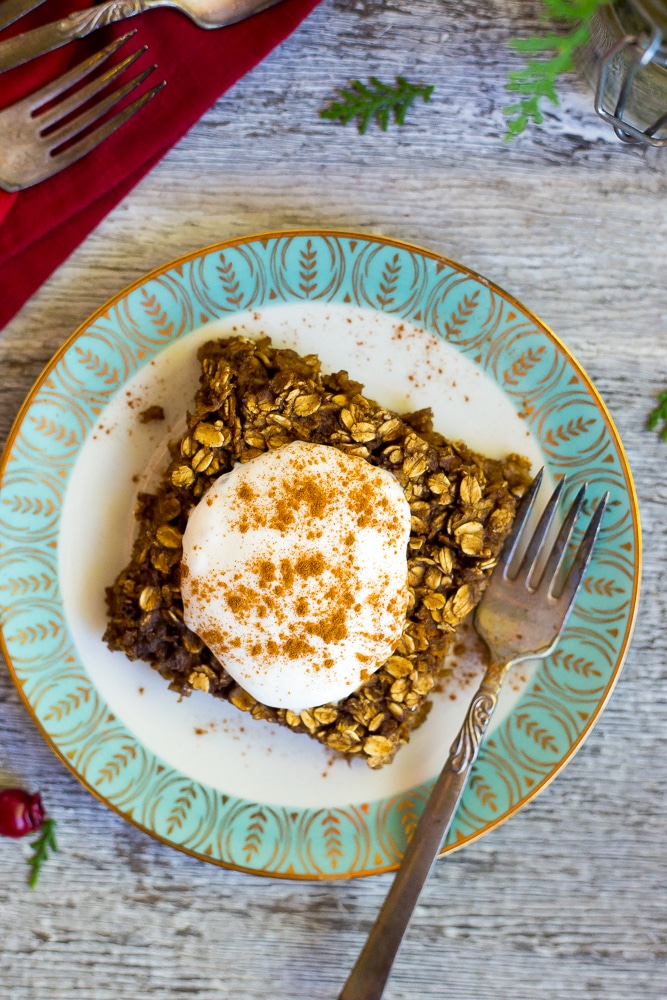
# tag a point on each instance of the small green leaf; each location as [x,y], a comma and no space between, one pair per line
[379,101]
[658,414]
[45,842]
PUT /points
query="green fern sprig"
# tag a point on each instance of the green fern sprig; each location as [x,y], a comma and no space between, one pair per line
[536,80]
[658,414]
[46,841]
[379,101]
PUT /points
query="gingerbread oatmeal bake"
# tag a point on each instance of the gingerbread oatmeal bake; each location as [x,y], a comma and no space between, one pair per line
[253,399]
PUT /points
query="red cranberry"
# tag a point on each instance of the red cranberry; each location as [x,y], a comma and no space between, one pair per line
[20,812]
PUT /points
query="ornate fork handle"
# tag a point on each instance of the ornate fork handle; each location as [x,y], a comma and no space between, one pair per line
[369,976]
[22,48]
[82,22]
[465,747]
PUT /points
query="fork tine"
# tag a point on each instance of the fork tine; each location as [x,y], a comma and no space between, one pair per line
[89,143]
[557,553]
[522,515]
[583,556]
[73,128]
[12,10]
[64,108]
[532,554]
[67,80]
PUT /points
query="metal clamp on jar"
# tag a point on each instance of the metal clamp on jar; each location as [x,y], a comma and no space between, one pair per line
[627,64]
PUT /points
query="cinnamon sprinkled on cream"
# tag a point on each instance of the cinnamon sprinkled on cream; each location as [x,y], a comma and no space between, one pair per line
[295,573]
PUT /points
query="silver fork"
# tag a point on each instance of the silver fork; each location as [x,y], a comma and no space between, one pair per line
[521,615]
[31,144]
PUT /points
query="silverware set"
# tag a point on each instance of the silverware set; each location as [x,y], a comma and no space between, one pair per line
[35,143]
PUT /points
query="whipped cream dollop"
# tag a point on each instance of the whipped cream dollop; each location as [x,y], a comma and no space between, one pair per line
[294,573]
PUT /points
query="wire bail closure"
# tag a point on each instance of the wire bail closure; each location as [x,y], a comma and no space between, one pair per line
[642,50]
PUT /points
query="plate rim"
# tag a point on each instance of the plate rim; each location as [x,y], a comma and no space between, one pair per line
[370,238]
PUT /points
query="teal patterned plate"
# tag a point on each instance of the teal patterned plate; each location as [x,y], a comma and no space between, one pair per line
[418,330]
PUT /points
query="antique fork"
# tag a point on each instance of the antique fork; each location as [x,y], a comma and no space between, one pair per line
[33,146]
[521,615]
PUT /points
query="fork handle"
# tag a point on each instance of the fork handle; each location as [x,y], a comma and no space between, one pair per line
[20,49]
[371,971]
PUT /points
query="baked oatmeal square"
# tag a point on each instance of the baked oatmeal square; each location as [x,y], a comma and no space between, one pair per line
[253,399]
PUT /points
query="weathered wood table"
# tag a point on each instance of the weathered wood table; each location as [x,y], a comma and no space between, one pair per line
[569,898]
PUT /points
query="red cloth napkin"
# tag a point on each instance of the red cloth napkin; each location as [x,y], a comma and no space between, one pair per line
[41,226]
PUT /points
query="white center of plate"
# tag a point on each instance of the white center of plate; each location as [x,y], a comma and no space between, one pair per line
[403,368]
